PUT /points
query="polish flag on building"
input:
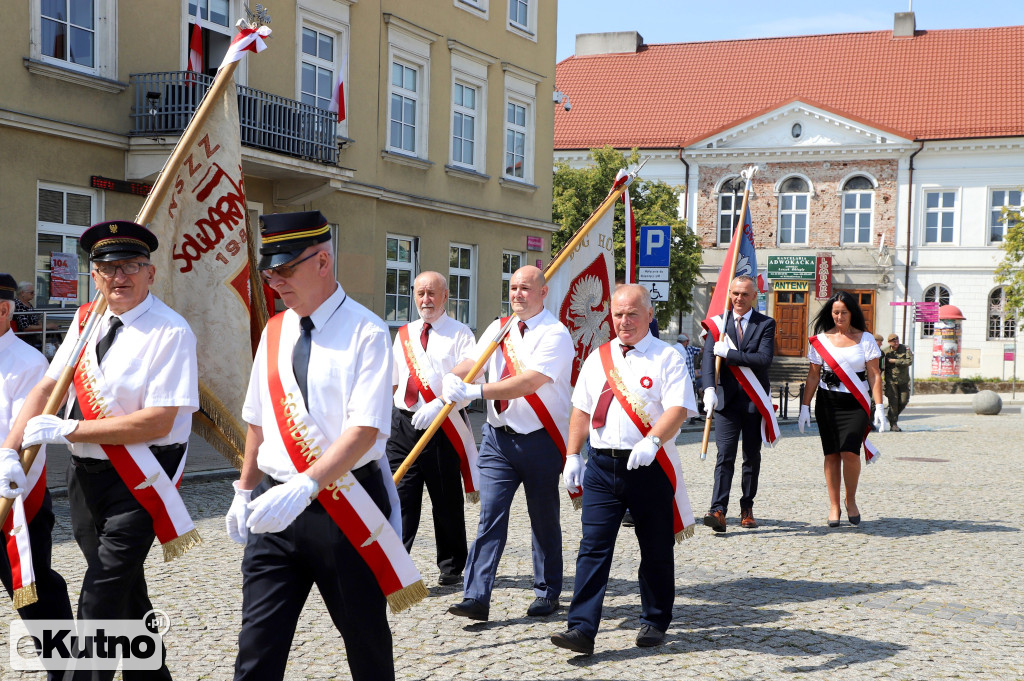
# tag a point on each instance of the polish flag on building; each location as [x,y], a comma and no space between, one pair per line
[338,95]
[195,46]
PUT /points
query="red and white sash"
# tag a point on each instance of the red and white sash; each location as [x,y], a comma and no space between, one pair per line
[135,464]
[455,427]
[345,500]
[15,529]
[618,375]
[755,391]
[515,367]
[856,387]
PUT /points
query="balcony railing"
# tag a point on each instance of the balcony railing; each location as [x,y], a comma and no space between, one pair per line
[165,101]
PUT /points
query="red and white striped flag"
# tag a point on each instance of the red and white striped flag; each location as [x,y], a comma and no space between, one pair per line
[195,46]
[630,235]
[338,95]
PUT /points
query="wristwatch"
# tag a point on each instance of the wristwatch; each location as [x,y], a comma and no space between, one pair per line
[655,439]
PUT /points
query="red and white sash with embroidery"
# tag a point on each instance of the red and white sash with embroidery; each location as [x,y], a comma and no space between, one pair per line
[508,353]
[455,427]
[619,377]
[755,391]
[15,529]
[856,387]
[135,464]
[345,500]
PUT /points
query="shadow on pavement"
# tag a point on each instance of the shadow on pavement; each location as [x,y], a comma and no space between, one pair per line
[917,527]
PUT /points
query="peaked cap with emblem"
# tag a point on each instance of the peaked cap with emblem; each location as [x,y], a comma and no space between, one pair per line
[7,287]
[286,235]
[117,240]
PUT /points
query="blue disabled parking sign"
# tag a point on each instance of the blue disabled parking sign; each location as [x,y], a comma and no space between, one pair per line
[653,259]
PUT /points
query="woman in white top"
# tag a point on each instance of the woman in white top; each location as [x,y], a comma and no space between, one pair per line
[842,420]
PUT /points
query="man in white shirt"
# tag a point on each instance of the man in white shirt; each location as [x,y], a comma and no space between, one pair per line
[629,426]
[523,442]
[432,345]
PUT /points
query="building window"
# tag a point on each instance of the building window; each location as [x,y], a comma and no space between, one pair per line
[940,211]
[519,13]
[404,102]
[477,7]
[469,108]
[62,216]
[934,294]
[730,198]
[515,140]
[69,31]
[398,278]
[510,262]
[409,88]
[460,282]
[317,68]
[794,197]
[464,100]
[217,32]
[72,38]
[1001,322]
[999,224]
[858,201]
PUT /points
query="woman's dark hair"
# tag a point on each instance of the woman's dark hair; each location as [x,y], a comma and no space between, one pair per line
[823,320]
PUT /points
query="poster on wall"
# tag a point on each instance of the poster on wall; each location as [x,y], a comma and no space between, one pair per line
[63,277]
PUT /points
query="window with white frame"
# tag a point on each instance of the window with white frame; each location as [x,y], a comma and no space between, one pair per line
[515,139]
[1001,321]
[730,198]
[408,88]
[73,36]
[794,200]
[519,124]
[460,282]
[510,262]
[999,224]
[217,31]
[934,294]
[476,7]
[469,108]
[404,105]
[318,67]
[522,18]
[939,216]
[400,271]
[464,114]
[62,215]
[858,203]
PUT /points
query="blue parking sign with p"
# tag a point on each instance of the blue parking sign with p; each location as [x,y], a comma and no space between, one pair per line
[654,246]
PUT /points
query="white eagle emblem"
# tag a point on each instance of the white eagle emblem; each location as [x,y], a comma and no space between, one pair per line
[148,482]
[588,313]
[373,536]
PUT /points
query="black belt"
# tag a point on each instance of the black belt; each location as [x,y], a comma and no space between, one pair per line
[509,431]
[90,465]
[362,474]
[405,412]
[615,453]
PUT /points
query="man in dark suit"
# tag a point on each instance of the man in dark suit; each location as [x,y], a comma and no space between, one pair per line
[754,335]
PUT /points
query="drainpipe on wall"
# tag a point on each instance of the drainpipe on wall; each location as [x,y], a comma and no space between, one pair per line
[910,220]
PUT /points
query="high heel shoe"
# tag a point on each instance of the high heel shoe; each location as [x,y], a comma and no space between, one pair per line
[835,523]
[854,519]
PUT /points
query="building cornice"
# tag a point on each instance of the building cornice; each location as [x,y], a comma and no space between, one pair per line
[877,151]
[48,126]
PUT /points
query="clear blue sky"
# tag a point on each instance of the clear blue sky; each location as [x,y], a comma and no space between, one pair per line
[675,21]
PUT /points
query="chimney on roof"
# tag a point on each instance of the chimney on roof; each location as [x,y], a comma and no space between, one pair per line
[608,43]
[904,25]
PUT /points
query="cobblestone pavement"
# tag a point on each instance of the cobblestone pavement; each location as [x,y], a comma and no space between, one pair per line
[926,588]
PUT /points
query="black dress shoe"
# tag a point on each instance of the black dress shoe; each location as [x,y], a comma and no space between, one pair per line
[447,580]
[649,636]
[574,640]
[542,607]
[627,520]
[471,608]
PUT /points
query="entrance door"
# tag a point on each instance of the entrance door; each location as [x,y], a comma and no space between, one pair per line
[790,312]
[866,300]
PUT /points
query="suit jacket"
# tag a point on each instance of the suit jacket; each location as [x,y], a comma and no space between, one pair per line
[756,351]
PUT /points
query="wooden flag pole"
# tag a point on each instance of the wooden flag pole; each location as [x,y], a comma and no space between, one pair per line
[552,267]
[747,174]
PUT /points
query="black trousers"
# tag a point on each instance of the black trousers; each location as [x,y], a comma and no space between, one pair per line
[437,468]
[278,571]
[115,533]
[738,417]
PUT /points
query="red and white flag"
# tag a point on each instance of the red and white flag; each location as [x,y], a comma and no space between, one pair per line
[246,40]
[338,95]
[195,45]
[630,233]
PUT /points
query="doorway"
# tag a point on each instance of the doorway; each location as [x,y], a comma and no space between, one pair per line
[790,311]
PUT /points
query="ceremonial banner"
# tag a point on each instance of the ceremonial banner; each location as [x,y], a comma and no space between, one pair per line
[206,272]
[579,293]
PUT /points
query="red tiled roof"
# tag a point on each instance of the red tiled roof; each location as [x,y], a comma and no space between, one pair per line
[961,83]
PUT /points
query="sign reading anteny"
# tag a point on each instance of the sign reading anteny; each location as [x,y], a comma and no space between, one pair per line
[792,267]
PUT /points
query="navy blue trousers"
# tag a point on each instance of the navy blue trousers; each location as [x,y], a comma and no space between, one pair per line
[739,417]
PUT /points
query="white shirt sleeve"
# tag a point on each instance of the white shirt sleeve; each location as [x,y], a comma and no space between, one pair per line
[371,389]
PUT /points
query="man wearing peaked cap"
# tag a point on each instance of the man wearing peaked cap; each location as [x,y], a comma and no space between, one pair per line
[128,419]
[286,235]
[897,359]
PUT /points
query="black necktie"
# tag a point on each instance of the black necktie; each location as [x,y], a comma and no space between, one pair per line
[300,356]
[104,344]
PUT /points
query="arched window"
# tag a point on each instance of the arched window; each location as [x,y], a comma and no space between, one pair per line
[730,197]
[1001,322]
[934,294]
[794,197]
[858,202]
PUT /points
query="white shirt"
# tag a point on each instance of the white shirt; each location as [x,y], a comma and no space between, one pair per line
[348,383]
[151,363]
[854,356]
[547,349]
[449,342]
[746,320]
[21,367]
[651,358]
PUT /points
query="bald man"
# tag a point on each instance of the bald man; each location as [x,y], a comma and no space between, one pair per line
[425,351]
[523,442]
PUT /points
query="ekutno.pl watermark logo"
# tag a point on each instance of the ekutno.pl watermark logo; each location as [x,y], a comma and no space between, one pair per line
[58,645]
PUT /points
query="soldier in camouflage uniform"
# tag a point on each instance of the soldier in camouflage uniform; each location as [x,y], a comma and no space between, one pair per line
[897,362]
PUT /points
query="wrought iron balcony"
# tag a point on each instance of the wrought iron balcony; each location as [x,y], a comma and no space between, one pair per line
[165,101]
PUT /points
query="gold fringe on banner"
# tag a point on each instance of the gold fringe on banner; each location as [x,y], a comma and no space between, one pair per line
[687,533]
[407,597]
[26,595]
[213,423]
[180,545]
[577,502]
[473,497]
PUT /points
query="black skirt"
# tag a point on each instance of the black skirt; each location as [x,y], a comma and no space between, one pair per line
[842,422]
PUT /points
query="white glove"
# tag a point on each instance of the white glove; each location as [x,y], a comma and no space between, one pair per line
[722,349]
[573,472]
[710,400]
[455,389]
[48,429]
[642,455]
[426,414]
[804,419]
[879,418]
[11,473]
[279,506]
[238,514]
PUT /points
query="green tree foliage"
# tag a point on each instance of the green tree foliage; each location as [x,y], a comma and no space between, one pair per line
[1010,272]
[578,193]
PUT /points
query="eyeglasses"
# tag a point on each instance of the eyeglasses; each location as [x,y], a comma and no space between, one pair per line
[128,268]
[285,271]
